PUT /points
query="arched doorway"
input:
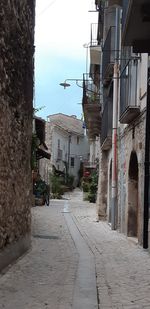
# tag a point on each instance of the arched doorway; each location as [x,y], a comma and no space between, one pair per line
[110,192]
[132,227]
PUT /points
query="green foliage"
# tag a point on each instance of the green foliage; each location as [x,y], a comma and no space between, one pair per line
[40,187]
[93,187]
[85,186]
[89,185]
[36,110]
[92,197]
[56,186]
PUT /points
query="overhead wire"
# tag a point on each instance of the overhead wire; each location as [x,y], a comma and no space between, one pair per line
[47,7]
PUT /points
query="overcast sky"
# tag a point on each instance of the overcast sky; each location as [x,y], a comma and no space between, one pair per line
[62,28]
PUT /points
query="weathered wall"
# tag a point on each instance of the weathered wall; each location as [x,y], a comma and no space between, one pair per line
[16,92]
[131,139]
[102,185]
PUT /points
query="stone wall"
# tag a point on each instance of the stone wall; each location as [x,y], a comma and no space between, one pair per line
[16,94]
[102,185]
[132,139]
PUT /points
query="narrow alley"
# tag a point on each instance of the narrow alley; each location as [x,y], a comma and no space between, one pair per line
[76,262]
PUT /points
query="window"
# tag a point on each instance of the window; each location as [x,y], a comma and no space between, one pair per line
[72,162]
[58,143]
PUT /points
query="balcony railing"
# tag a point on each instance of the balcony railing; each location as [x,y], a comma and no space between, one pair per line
[91,107]
[96,34]
[91,82]
[106,131]
[108,55]
[128,92]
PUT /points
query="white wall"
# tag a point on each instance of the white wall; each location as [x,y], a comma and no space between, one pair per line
[79,150]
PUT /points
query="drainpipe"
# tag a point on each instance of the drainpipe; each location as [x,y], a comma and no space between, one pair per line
[146,168]
[115,123]
[68,163]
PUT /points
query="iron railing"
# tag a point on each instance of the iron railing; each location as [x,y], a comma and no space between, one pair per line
[128,84]
[91,85]
[108,54]
[96,34]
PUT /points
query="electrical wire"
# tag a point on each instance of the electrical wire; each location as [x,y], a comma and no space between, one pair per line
[47,7]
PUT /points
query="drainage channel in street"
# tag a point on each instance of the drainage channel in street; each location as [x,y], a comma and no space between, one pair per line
[46,236]
[85,290]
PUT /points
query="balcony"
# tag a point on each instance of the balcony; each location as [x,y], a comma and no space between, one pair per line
[136,12]
[128,93]
[106,132]
[108,56]
[91,108]
[95,48]
[96,34]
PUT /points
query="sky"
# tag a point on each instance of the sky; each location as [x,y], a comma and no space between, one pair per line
[62,28]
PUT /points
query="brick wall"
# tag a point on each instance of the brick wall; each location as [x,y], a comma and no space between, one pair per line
[16,94]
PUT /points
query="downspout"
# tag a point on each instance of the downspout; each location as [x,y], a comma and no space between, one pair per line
[146,168]
[115,123]
[68,163]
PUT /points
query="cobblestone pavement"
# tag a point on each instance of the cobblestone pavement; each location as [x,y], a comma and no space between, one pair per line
[123,267]
[45,276]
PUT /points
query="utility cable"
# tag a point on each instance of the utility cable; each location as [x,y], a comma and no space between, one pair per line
[47,7]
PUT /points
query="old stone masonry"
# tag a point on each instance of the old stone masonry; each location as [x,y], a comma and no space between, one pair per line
[16,94]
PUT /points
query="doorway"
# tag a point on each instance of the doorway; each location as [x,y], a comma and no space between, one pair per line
[132,225]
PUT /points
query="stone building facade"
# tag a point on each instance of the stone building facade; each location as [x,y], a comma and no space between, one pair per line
[128,212]
[124,65]
[131,178]
[16,95]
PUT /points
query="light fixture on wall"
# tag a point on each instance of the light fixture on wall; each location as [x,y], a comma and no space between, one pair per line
[85,83]
[66,85]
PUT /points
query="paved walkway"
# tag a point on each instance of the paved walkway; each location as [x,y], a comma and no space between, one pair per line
[50,274]
[85,289]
